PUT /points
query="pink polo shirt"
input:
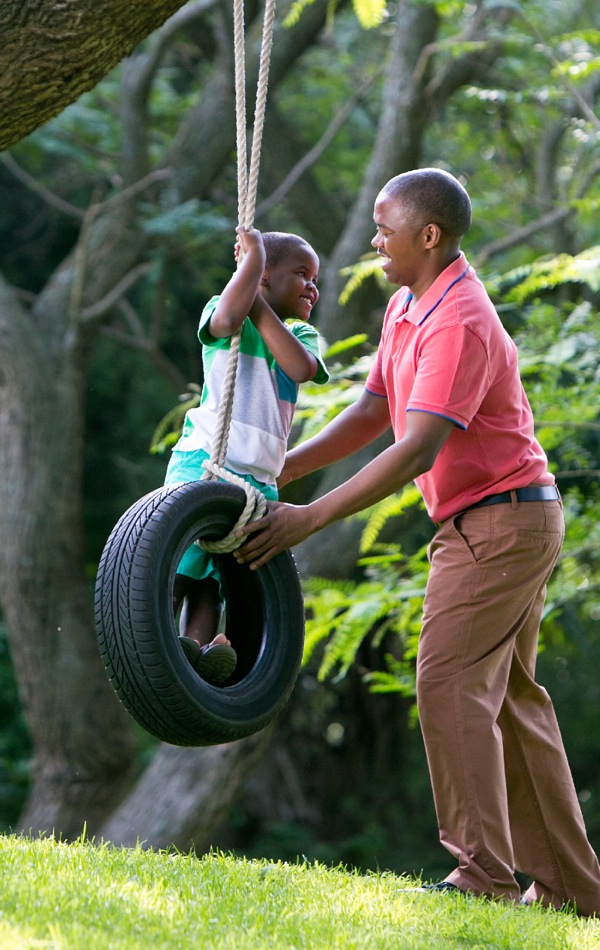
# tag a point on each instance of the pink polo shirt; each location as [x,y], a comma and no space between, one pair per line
[451,356]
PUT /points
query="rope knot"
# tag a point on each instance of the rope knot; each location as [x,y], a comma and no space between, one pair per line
[255,507]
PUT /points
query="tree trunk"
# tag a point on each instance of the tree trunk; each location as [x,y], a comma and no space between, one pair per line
[81,737]
[403,119]
[53,51]
[184,794]
[413,90]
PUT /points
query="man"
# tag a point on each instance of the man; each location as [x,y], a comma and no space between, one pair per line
[446,379]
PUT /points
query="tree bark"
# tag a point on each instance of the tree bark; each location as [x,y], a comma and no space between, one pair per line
[54,51]
[82,740]
[184,794]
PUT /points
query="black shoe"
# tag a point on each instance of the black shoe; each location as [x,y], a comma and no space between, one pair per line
[214,662]
[440,887]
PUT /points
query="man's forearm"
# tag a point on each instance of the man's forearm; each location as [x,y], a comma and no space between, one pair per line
[389,472]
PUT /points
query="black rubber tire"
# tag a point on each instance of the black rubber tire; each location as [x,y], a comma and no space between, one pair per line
[137,633]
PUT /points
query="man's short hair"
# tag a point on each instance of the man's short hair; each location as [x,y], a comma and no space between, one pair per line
[279,244]
[433,196]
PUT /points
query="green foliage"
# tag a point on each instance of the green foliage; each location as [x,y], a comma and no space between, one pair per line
[85,138]
[377,516]
[369,13]
[192,223]
[385,608]
[317,405]
[367,267]
[523,283]
[169,428]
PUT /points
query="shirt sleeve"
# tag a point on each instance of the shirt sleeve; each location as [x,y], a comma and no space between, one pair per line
[375,383]
[203,331]
[310,339]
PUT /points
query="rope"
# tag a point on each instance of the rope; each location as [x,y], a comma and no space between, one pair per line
[255,507]
[247,188]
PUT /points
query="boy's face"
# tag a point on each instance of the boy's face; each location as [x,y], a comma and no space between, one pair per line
[290,287]
[397,241]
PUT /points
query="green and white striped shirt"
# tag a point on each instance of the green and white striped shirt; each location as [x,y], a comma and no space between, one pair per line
[264,402]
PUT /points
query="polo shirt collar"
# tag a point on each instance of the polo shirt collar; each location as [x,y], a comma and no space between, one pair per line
[434,295]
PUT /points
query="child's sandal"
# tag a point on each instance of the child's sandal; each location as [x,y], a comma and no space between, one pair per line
[214,662]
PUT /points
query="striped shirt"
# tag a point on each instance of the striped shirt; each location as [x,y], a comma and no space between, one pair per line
[264,401]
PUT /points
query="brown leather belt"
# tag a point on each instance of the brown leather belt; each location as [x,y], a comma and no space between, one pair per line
[531,493]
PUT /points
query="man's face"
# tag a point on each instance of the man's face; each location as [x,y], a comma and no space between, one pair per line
[397,241]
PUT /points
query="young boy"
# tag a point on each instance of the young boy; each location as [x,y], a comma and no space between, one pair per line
[276,279]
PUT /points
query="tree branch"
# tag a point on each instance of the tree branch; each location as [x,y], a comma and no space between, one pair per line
[137,74]
[101,308]
[523,234]
[142,344]
[313,154]
[51,53]
[586,111]
[48,196]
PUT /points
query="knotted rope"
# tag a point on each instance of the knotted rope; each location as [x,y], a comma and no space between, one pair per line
[247,186]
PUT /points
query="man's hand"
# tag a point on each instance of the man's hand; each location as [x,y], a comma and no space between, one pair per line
[281,528]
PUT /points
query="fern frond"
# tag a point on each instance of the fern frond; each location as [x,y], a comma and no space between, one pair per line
[384,681]
[367,267]
[369,13]
[324,603]
[549,273]
[378,515]
[351,629]
[169,428]
[315,585]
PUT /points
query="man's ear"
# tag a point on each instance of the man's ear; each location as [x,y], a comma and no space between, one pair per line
[264,280]
[432,235]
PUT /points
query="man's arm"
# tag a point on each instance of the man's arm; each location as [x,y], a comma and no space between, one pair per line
[287,525]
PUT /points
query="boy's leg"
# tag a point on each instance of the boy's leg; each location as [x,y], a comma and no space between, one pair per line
[200,609]
[209,652]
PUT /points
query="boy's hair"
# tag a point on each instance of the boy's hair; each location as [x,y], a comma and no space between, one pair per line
[433,196]
[278,244]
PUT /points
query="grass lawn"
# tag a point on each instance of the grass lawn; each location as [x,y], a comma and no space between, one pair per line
[94,897]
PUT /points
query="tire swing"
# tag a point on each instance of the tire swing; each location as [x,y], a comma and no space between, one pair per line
[264,609]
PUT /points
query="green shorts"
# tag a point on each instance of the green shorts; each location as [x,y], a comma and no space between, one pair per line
[187,467]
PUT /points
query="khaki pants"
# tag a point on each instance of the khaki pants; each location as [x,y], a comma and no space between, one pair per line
[502,786]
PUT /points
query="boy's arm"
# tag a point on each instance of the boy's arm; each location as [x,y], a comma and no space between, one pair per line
[293,357]
[238,296]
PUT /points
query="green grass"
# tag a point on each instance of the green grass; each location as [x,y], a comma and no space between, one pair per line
[95,897]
